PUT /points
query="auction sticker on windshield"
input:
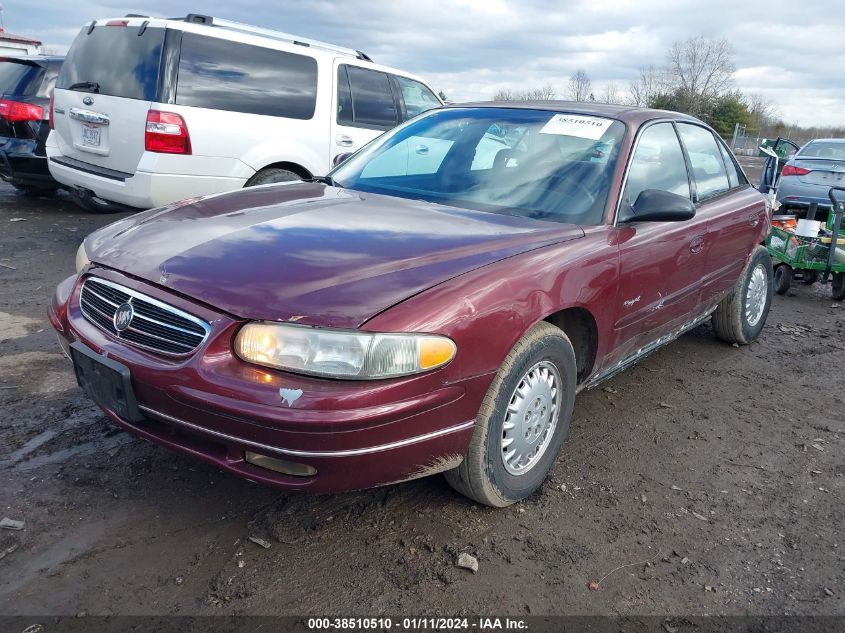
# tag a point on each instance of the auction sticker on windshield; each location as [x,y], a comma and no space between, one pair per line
[576,125]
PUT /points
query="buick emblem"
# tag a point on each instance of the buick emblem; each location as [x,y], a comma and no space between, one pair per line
[123,316]
[88,101]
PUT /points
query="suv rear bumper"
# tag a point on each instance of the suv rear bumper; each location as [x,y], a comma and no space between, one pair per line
[143,189]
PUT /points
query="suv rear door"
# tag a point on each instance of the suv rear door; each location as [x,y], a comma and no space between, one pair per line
[366,106]
[108,83]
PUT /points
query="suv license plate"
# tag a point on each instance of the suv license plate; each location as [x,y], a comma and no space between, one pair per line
[91,135]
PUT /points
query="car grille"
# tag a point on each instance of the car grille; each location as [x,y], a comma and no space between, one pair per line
[154,325]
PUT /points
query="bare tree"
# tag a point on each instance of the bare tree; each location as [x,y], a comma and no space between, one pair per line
[610,94]
[579,86]
[650,83]
[543,93]
[762,111]
[701,68]
[504,94]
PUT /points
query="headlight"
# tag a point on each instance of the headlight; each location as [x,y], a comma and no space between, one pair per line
[81,258]
[341,353]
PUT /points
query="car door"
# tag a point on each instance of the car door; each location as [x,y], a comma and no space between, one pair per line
[660,263]
[733,211]
[366,107]
[784,149]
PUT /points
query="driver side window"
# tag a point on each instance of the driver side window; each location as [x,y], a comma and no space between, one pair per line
[657,163]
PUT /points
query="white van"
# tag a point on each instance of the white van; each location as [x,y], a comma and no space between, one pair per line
[148,111]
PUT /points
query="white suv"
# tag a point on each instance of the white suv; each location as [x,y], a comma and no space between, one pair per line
[148,111]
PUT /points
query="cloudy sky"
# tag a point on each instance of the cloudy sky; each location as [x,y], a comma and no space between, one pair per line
[790,52]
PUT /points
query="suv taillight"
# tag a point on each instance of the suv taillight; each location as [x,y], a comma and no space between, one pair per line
[50,111]
[792,170]
[166,133]
[15,111]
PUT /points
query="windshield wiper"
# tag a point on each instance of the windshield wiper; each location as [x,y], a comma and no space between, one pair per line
[326,180]
[87,86]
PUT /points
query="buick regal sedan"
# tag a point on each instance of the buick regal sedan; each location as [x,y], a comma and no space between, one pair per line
[433,305]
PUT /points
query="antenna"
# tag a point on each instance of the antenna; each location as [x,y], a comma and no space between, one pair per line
[2,26]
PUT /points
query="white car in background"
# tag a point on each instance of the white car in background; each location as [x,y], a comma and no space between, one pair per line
[148,111]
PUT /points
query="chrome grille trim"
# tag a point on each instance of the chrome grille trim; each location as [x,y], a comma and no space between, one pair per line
[155,325]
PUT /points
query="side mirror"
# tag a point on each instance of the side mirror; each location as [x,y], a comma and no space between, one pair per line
[655,205]
[340,158]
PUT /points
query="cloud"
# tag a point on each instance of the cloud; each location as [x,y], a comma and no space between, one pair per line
[471,48]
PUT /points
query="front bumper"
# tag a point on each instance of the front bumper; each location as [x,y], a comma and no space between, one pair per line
[217,408]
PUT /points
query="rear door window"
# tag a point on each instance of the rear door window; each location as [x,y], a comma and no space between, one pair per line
[417,97]
[224,75]
[372,102]
[708,169]
[120,60]
[19,78]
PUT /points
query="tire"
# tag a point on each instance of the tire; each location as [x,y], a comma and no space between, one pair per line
[270,175]
[741,315]
[483,475]
[809,277]
[837,289]
[98,205]
[783,279]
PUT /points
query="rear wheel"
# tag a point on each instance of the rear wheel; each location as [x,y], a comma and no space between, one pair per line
[837,290]
[522,422]
[98,205]
[783,279]
[270,175]
[740,316]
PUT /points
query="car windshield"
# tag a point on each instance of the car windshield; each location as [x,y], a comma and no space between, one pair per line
[530,163]
[823,149]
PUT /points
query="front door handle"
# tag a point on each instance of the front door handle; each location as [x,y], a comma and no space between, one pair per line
[422,150]
[343,140]
[697,244]
[754,219]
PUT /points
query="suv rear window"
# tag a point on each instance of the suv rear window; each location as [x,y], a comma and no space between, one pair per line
[19,78]
[121,61]
[224,75]
[370,98]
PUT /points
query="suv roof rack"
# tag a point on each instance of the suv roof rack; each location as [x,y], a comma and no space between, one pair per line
[198,18]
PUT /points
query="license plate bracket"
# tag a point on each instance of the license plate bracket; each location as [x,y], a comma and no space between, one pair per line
[91,135]
[105,381]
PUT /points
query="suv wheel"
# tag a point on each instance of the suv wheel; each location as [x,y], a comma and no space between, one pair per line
[97,205]
[740,316]
[270,175]
[522,422]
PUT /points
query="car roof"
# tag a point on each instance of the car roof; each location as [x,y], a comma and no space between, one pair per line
[628,114]
[826,140]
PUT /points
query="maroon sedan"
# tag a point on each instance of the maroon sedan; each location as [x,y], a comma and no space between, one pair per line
[433,305]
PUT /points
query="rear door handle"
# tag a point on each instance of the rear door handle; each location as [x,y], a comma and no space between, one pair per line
[754,219]
[343,140]
[422,150]
[697,244]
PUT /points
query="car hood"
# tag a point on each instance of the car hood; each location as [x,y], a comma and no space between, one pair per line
[316,254]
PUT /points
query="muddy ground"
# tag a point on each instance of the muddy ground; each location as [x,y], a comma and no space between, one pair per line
[714,473]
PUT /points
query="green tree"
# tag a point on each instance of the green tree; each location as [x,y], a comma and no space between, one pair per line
[728,110]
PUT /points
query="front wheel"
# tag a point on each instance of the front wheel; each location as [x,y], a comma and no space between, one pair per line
[741,315]
[522,422]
